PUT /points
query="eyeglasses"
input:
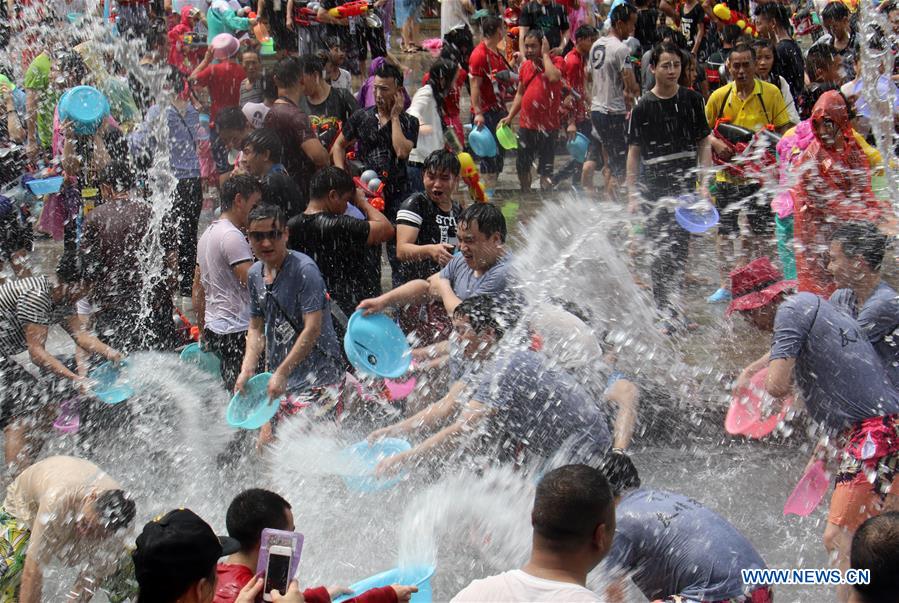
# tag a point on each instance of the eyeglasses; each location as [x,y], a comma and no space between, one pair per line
[259,236]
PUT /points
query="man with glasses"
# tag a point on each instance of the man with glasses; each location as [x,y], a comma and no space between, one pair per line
[290,314]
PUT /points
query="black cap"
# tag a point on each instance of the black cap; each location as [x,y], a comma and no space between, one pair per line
[177,549]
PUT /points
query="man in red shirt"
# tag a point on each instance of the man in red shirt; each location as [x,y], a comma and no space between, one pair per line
[539,99]
[487,67]
[223,80]
[254,510]
[576,109]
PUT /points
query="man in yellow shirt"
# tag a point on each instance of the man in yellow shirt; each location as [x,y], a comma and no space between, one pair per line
[752,104]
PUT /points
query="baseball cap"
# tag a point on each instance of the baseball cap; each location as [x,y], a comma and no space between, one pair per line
[177,549]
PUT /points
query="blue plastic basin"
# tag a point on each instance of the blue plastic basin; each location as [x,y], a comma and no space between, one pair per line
[577,147]
[86,106]
[207,361]
[375,345]
[45,186]
[416,575]
[109,388]
[695,217]
[252,409]
[482,142]
[365,457]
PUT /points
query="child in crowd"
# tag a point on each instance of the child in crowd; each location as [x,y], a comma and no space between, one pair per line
[335,74]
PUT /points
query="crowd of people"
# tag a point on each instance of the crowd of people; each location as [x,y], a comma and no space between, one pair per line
[327,167]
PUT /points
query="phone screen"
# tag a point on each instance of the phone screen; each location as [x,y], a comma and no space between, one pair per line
[276,576]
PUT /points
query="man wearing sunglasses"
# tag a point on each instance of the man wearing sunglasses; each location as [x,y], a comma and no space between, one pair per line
[290,315]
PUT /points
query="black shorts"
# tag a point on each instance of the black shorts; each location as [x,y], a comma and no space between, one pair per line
[22,395]
[536,144]
[731,198]
[371,39]
[612,131]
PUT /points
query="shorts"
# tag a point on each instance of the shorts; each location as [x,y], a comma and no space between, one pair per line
[536,144]
[862,485]
[731,198]
[14,538]
[594,153]
[370,39]
[230,349]
[612,130]
[407,9]
[20,392]
[493,165]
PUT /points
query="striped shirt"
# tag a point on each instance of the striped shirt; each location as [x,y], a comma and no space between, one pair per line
[24,301]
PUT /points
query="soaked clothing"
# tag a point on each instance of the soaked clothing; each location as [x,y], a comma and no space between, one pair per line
[466,283]
[670,544]
[327,117]
[24,301]
[434,226]
[518,585]
[759,595]
[870,455]
[47,499]
[541,410]
[298,289]
[879,320]
[840,375]
[14,539]
[294,129]
[223,247]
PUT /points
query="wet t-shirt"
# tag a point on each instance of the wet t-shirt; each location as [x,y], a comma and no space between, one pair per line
[23,301]
[298,289]
[434,226]
[294,128]
[690,20]
[328,116]
[517,585]
[841,377]
[668,132]
[338,244]
[879,319]
[550,18]
[672,545]
[48,498]
[790,65]
[221,248]
[542,409]
[608,57]
[541,100]
[466,283]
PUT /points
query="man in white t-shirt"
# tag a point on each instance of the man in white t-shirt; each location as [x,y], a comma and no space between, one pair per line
[574,522]
[220,295]
[615,88]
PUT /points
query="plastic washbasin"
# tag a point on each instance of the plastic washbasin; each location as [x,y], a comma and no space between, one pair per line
[416,575]
[375,345]
[364,457]
[207,361]
[744,417]
[45,186]
[252,409]
[108,386]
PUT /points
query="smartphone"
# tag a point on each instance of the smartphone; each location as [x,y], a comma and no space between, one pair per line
[277,572]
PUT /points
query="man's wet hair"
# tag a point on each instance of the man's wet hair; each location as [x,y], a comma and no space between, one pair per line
[776,12]
[664,33]
[862,240]
[239,184]
[570,502]
[619,469]
[267,211]
[819,56]
[835,11]
[328,179]
[230,118]
[441,160]
[287,72]
[265,139]
[665,48]
[252,511]
[484,312]
[622,12]
[875,547]
[311,64]
[118,174]
[535,33]
[490,25]
[247,50]
[488,217]
[115,510]
[389,71]
[585,32]
[743,47]
[269,87]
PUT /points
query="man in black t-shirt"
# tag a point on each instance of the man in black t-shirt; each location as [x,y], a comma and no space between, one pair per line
[336,242]
[773,22]
[547,16]
[327,107]
[426,222]
[668,132]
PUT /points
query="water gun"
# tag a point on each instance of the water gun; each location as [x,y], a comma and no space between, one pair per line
[373,187]
[732,17]
[306,14]
[472,178]
[357,8]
